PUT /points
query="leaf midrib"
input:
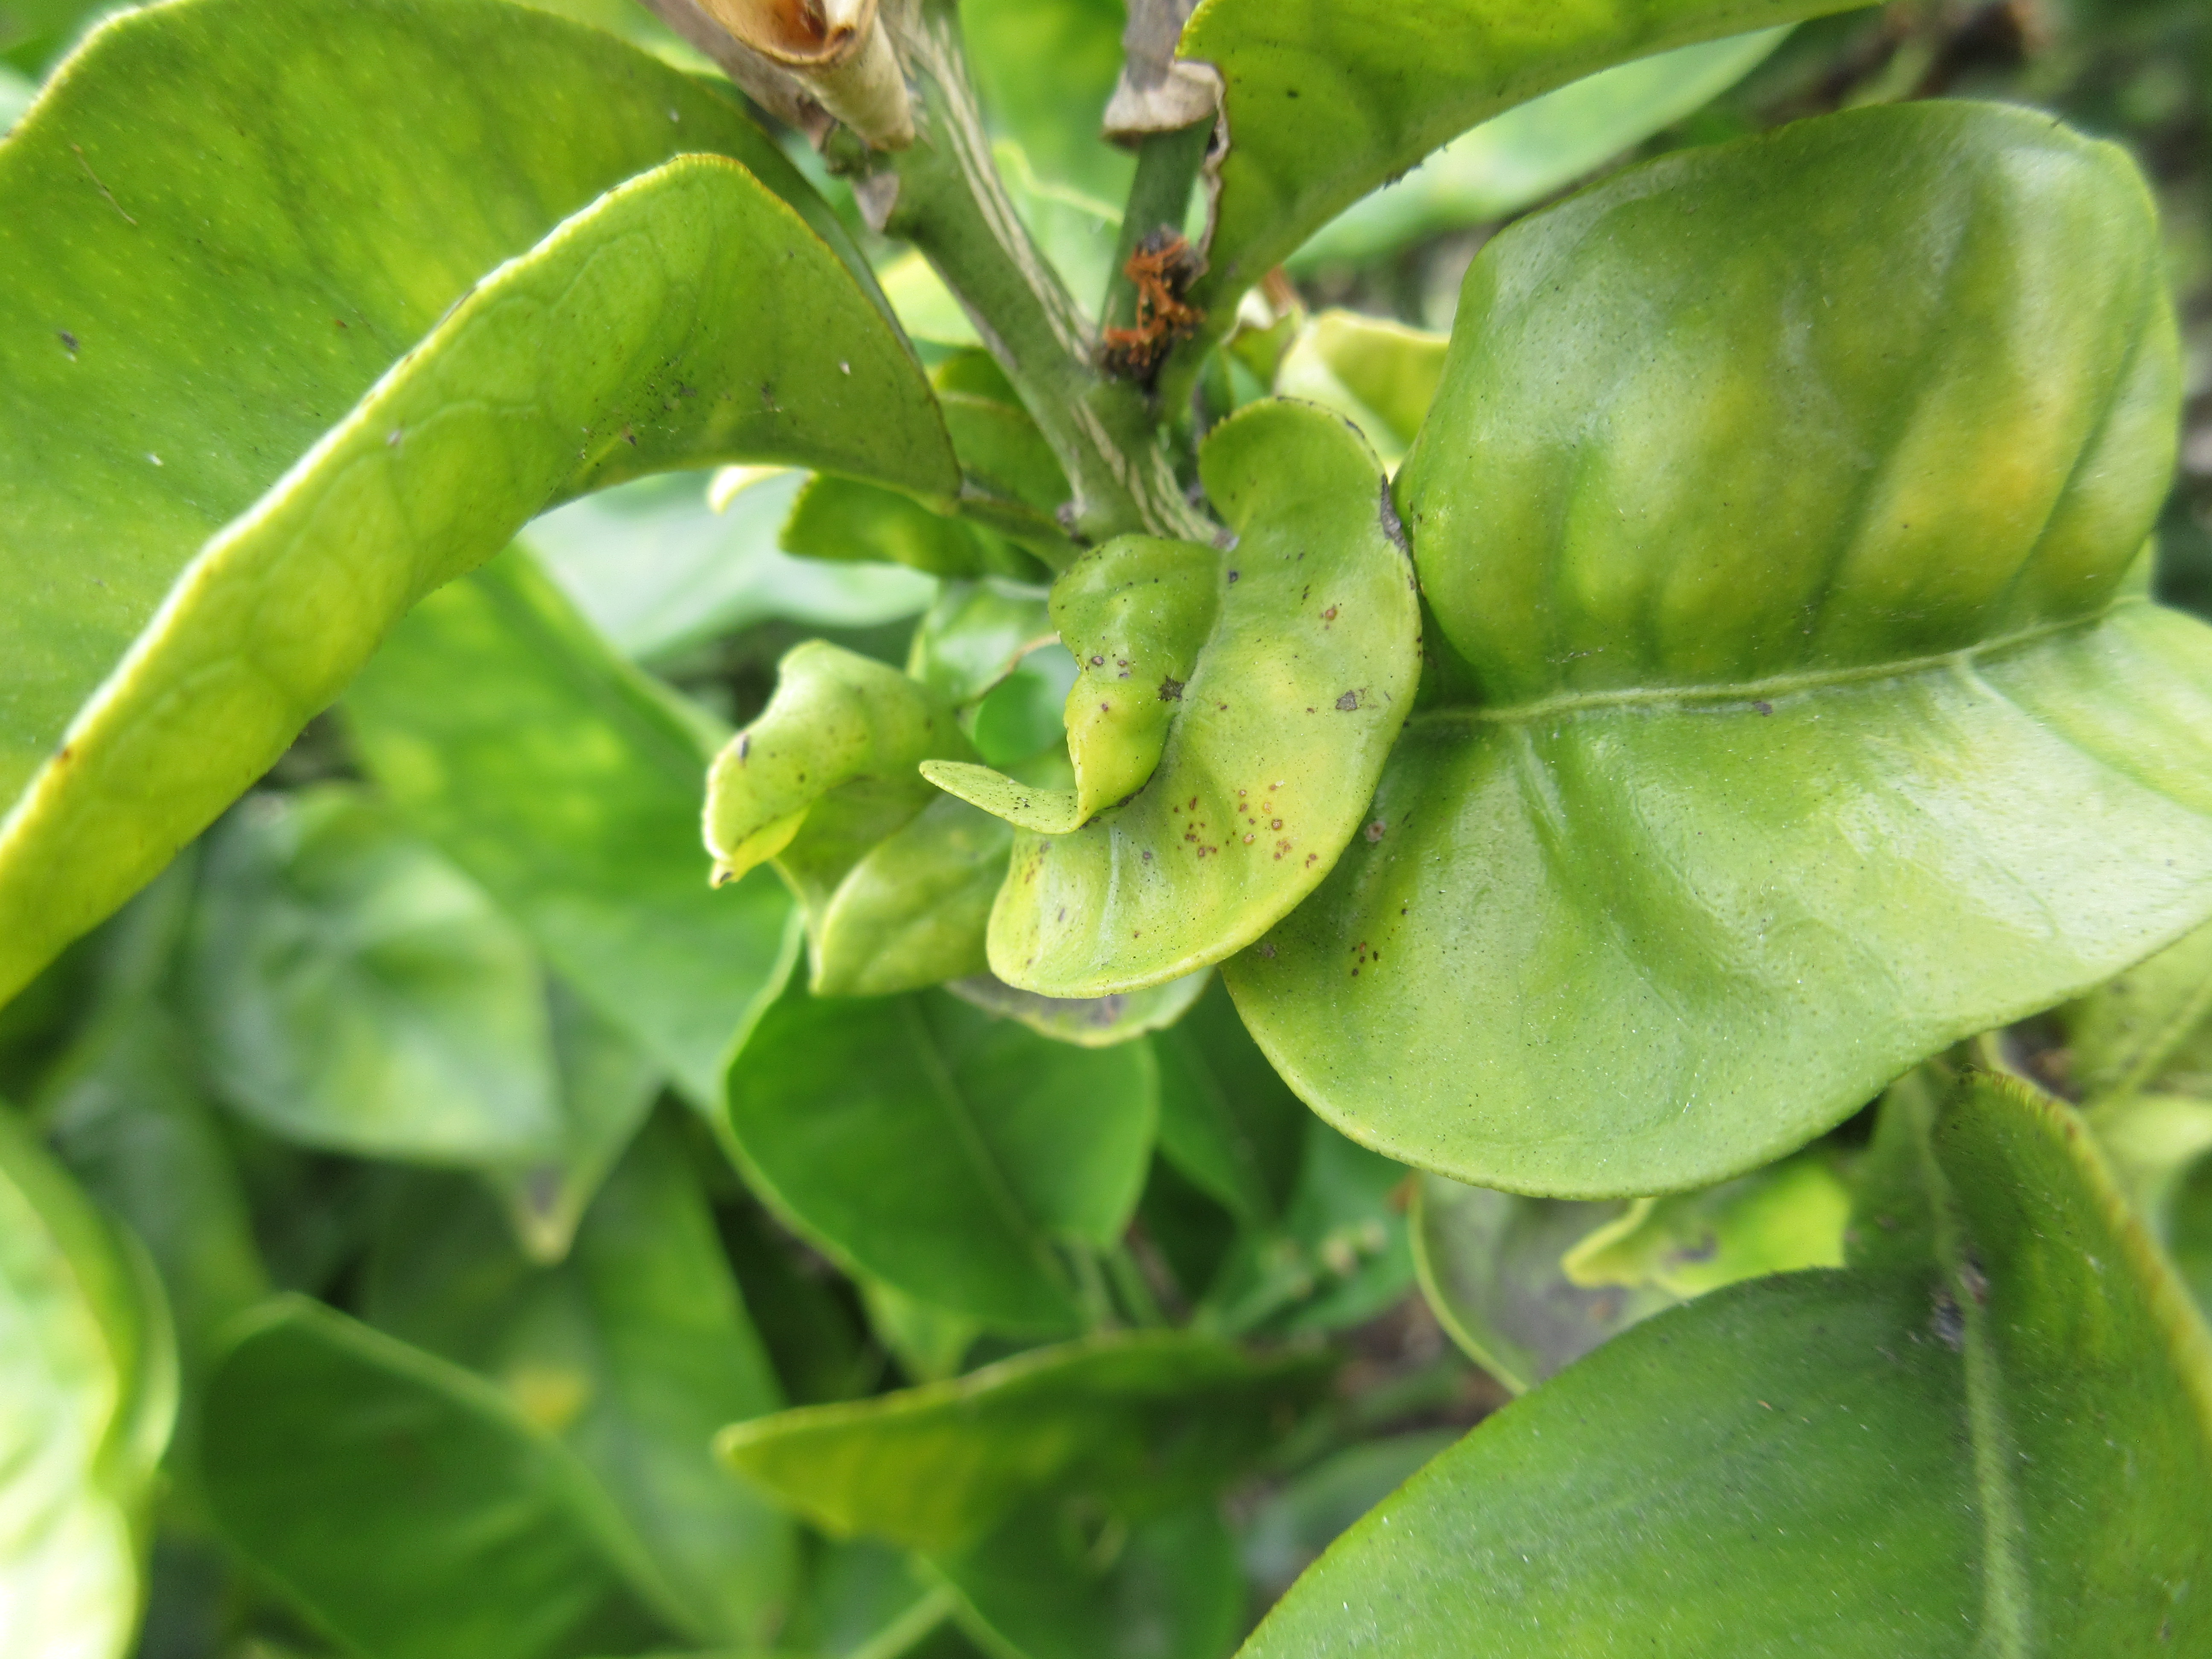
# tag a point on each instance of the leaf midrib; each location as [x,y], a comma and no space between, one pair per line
[1660,697]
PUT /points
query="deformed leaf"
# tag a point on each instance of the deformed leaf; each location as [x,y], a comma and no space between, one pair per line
[974,635]
[950,1154]
[569,786]
[1787,1217]
[1148,1418]
[844,519]
[827,771]
[912,913]
[1325,100]
[352,990]
[1302,646]
[1813,719]
[255,407]
[1939,1459]
[88,1394]
[407,1506]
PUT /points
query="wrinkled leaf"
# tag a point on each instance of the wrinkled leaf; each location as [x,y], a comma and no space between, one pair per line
[174,339]
[634,1351]
[1148,1418]
[88,1391]
[660,570]
[913,912]
[1516,159]
[950,1154]
[1296,653]
[407,1506]
[1814,721]
[570,786]
[1999,1448]
[353,990]
[1325,100]
[1067,1579]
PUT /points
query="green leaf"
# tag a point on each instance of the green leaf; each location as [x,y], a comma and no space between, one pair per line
[1340,1255]
[844,519]
[1313,1507]
[1381,376]
[1325,100]
[220,505]
[974,635]
[1054,116]
[124,1113]
[2149,1028]
[406,1506]
[1815,721]
[926,1144]
[1301,647]
[1789,1217]
[1149,1419]
[1086,1022]
[1012,475]
[607,1085]
[88,1391]
[1227,1122]
[826,772]
[352,990]
[570,786]
[1516,159]
[1489,1265]
[1066,1579]
[634,1351]
[660,570]
[912,913]
[1998,1450]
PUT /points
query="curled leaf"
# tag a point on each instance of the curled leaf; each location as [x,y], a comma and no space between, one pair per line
[833,752]
[1268,681]
[1780,504]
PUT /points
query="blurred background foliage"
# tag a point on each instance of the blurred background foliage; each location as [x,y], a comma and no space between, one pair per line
[703,583]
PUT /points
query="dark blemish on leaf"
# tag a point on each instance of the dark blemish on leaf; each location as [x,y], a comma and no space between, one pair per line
[1098,662]
[1232,578]
[1348,701]
[1148,855]
[1063,913]
[1171,689]
[1330,615]
[630,437]
[1392,526]
[1105,707]
[1311,857]
[1973,1281]
[1764,708]
[68,340]
[392,438]
[1247,840]
[1275,824]
[744,746]
[1376,830]
[1947,1322]
[1267,950]
[65,757]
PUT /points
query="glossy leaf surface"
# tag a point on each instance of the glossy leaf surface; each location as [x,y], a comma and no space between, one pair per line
[570,786]
[1326,100]
[182,603]
[1145,1418]
[87,1392]
[2001,1447]
[405,1505]
[354,991]
[944,1152]
[1301,675]
[1515,160]
[1381,376]
[634,1351]
[913,912]
[1804,733]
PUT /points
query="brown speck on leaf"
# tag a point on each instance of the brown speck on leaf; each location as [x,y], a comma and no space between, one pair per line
[1232,577]
[1098,662]
[1105,707]
[1347,703]
[1248,841]
[744,746]
[1267,950]
[1330,615]
[1377,830]
[1148,855]
[1764,708]
[1274,824]
[1947,1322]
[1171,689]
[392,438]
[1312,857]
[68,340]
